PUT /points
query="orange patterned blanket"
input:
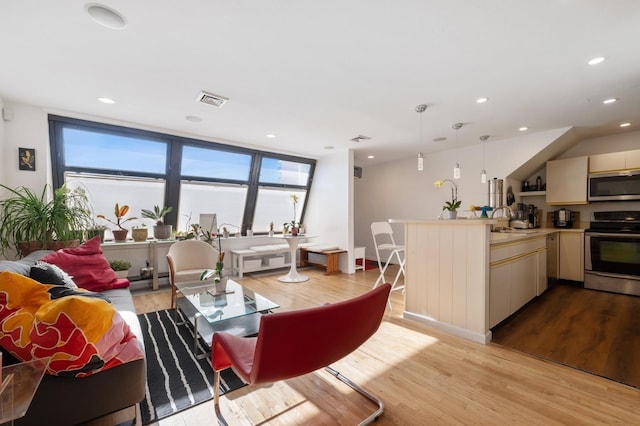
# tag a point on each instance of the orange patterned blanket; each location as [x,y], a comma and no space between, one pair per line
[81,335]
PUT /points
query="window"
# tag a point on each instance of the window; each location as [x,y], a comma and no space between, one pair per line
[90,149]
[226,201]
[243,187]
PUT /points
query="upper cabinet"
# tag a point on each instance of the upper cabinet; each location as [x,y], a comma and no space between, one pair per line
[567,181]
[614,161]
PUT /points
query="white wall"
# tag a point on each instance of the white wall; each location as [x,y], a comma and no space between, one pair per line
[3,147]
[27,129]
[398,190]
[614,143]
[329,212]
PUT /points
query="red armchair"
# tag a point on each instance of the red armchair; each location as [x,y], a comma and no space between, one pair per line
[290,344]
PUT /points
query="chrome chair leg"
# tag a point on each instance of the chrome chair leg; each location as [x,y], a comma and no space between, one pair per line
[362,391]
[216,398]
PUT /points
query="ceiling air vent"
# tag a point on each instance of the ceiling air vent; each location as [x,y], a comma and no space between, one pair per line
[360,138]
[211,99]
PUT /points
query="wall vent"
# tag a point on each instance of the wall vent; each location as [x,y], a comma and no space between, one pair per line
[360,138]
[211,99]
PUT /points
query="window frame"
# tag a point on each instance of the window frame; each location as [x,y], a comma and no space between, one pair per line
[173,175]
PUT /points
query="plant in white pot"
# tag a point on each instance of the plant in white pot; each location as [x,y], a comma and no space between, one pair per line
[450,206]
[121,267]
[120,234]
[160,230]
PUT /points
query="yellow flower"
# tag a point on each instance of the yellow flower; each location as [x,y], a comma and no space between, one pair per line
[438,183]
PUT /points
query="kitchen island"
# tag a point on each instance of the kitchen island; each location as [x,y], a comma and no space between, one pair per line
[448,273]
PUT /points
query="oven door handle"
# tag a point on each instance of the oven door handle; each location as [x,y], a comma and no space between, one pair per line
[607,234]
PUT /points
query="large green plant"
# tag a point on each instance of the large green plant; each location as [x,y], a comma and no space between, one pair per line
[49,216]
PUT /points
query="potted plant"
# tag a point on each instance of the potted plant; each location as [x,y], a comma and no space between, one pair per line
[293,225]
[121,267]
[450,206]
[140,232]
[160,230]
[120,234]
[96,230]
[49,220]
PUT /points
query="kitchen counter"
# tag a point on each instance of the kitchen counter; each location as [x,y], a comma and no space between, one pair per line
[449,265]
[504,237]
[447,275]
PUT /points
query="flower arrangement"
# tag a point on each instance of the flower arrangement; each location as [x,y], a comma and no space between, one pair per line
[452,205]
[208,273]
[293,224]
[120,212]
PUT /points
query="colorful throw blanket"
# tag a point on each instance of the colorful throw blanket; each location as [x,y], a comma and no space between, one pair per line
[81,335]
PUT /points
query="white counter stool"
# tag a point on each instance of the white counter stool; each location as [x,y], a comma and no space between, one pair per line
[383,241]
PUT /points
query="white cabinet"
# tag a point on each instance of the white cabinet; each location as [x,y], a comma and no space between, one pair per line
[567,181]
[524,281]
[607,162]
[499,293]
[633,159]
[516,271]
[542,276]
[571,255]
[614,161]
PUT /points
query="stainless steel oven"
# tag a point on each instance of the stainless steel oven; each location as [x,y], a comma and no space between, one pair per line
[612,253]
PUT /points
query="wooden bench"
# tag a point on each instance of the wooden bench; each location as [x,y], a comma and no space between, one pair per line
[332,258]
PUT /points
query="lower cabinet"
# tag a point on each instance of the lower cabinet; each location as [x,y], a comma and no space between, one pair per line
[499,293]
[518,273]
[571,256]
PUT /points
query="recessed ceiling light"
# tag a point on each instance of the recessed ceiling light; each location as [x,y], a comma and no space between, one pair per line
[440,139]
[371,156]
[597,60]
[193,118]
[625,124]
[482,100]
[106,16]
[609,101]
[271,136]
[328,147]
[106,101]
[523,129]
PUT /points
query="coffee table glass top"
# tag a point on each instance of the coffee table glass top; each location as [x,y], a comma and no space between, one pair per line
[234,302]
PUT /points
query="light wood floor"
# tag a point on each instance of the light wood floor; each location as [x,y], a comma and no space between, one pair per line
[423,375]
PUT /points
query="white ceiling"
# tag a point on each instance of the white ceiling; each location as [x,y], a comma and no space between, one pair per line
[319,73]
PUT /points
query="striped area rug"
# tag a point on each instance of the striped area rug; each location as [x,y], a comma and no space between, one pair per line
[176,380]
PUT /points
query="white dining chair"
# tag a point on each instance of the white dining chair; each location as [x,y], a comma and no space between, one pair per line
[383,241]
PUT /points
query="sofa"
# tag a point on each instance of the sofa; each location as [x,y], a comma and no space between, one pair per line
[68,400]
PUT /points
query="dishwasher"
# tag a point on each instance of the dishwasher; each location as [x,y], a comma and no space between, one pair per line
[552,258]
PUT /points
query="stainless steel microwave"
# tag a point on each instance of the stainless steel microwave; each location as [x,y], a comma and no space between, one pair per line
[614,186]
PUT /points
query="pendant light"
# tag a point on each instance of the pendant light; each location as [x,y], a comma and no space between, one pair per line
[420,109]
[456,169]
[483,174]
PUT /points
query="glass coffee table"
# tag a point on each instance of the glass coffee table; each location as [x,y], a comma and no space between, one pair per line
[234,309]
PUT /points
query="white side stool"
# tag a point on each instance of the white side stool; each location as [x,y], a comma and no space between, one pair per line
[358,253]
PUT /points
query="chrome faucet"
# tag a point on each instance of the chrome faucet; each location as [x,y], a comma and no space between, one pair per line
[505,208]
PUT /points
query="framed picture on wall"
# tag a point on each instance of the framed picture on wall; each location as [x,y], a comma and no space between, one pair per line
[27,159]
